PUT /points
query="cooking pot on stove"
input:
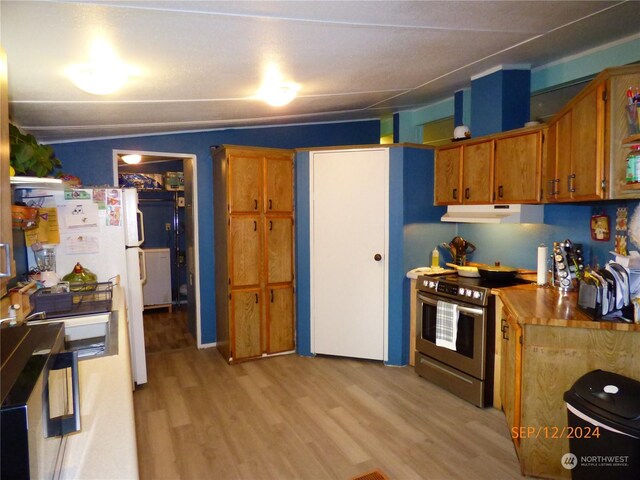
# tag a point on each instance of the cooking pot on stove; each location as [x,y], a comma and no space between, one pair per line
[497,273]
[459,248]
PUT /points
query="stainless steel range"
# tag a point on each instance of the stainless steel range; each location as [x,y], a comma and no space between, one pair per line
[465,368]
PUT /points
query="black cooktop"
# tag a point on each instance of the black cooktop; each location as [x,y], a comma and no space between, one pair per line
[481,282]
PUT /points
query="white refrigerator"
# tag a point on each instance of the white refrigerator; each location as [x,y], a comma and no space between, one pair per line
[102,228]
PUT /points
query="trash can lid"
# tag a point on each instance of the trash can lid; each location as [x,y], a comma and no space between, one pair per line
[611,392]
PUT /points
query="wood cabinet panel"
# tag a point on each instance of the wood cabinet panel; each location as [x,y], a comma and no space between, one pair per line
[517,168]
[6,235]
[246,314]
[245,248]
[477,173]
[245,181]
[564,157]
[280,319]
[279,181]
[511,372]
[587,150]
[279,238]
[447,172]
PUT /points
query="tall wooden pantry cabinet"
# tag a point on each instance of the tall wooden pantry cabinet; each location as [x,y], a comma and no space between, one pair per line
[254,242]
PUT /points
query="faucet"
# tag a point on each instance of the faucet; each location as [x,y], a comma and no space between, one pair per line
[32,316]
[12,318]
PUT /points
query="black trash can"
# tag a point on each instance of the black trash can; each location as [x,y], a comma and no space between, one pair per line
[603,427]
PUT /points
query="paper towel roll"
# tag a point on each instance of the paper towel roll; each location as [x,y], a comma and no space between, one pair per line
[543,251]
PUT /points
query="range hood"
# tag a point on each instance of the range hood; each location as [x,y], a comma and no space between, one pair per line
[494,214]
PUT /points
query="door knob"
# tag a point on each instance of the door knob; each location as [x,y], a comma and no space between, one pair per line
[377,257]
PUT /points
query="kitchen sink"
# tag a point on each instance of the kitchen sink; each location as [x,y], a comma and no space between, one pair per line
[91,336]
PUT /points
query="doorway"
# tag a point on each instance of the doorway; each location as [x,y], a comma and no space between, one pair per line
[171,226]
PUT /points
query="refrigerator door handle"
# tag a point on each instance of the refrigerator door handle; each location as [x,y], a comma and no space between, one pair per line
[143,266]
[141,225]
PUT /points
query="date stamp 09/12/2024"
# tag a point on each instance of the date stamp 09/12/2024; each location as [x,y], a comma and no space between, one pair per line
[555,432]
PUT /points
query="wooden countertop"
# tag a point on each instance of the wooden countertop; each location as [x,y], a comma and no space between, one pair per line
[540,305]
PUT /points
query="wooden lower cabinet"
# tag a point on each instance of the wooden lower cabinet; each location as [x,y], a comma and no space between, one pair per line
[535,375]
[280,319]
[511,372]
[246,312]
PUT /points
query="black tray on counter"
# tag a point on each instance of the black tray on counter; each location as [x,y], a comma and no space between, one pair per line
[86,299]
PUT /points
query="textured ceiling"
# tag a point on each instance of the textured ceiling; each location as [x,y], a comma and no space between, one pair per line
[201,62]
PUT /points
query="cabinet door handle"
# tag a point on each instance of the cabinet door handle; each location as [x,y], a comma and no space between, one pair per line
[455,193]
[255,226]
[256,298]
[500,191]
[270,204]
[505,330]
[270,225]
[272,296]
[255,204]
[552,186]
[377,257]
[570,185]
[466,193]
[7,257]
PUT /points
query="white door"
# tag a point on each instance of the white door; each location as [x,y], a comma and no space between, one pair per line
[349,209]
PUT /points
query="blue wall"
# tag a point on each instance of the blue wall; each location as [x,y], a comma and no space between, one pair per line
[92,162]
[500,102]
[516,245]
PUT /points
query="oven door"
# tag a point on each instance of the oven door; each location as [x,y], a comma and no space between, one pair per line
[470,354]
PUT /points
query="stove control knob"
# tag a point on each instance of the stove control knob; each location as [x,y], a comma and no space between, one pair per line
[477,294]
[469,293]
[461,291]
[432,284]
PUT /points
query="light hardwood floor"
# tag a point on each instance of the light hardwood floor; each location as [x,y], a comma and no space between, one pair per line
[164,330]
[292,417]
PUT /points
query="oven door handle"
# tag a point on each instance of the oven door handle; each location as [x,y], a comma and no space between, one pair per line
[434,302]
[66,423]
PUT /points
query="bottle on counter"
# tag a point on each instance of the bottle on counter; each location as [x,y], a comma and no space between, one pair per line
[435,258]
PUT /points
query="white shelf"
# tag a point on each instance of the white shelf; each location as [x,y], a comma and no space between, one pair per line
[37,182]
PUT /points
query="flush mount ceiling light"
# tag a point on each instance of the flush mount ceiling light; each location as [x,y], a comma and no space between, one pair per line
[274,90]
[131,159]
[104,74]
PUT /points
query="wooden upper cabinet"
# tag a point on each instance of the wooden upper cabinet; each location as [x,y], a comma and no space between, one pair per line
[518,163]
[587,146]
[245,182]
[279,181]
[280,323]
[447,172]
[477,173]
[245,250]
[246,313]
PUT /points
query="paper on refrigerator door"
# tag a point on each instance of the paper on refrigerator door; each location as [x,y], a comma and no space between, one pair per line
[80,214]
[81,244]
